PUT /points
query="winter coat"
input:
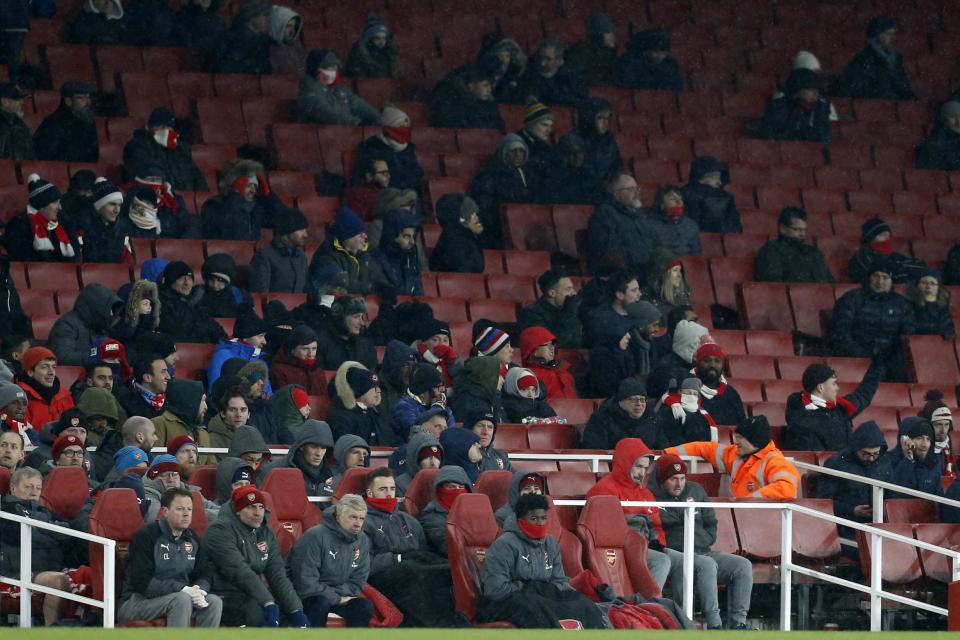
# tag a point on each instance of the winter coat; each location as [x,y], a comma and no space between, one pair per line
[456,444]
[636,72]
[227,349]
[285,369]
[518,407]
[679,236]
[45,404]
[350,417]
[608,365]
[286,58]
[784,120]
[170,425]
[904,267]
[475,391]
[277,267]
[405,169]
[150,23]
[694,428]
[230,217]
[225,470]
[847,494]
[618,483]
[464,111]
[601,153]
[411,465]
[940,150]
[178,166]
[13,321]
[185,322]
[285,416]
[103,241]
[765,473]
[810,428]
[15,140]
[318,481]
[226,303]
[498,183]
[65,138]
[919,475]
[562,322]
[133,401]
[869,76]
[159,564]
[392,385]
[329,562]
[241,50]
[619,235]
[363,273]
[932,319]
[18,239]
[220,434]
[405,413]
[543,162]
[508,509]
[433,518]
[594,62]
[198,27]
[865,323]
[247,439]
[74,334]
[400,269]
[713,209]
[564,88]
[173,223]
[704,519]
[247,566]
[609,424]
[92,27]
[368,61]
[555,377]
[458,249]
[514,561]
[153,489]
[49,549]
[332,104]
[726,407]
[390,534]
[335,346]
[788,260]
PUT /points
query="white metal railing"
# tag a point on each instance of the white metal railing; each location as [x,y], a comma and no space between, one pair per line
[27,586]
[788,567]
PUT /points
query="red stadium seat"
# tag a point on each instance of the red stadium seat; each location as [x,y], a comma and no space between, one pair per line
[809,303]
[731,340]
[553,436]
[205,477]
[849,370]
[504,311]
[850,154]
[805,154]
[769,343]
[616,555]
[241,250]
[297,147]
[420,492]
[909,510]
[749,390]
[292,513]
[37,302]
[901,563]
[765,307]
[64,274]
[294,184]
[113,276]
[727,541]
[463,285]
[873,202]
[567,220]
[512,437]
[186,87]
[65,492]
[670,147]
[353,480]
[820,201]
[221,120]
[936,566]
[447,309]
[4,481]
[575,410]
[751,367]
[70,62]
[528,227]
[194,355]
[836,178]
[759,535]
[526,263]
[116,515]
[496,486]
[774,411]
[727,274]
[779,390]
[928,362]
[511,287]
[439,187]
[570,483]
[813,538]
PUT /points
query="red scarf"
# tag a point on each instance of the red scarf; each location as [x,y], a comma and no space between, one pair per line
[23,428]
[532,531]
[674,213]
[812,405]
[41,234]
[383,504]
[673,398]
[446,496]
[884,247]
[398,134]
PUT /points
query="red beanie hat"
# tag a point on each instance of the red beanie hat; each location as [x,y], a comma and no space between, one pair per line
[246,496]
[300,397]
[709,349]
[527,381]
[669,465]
[34,356]
[179,442]
[64,441]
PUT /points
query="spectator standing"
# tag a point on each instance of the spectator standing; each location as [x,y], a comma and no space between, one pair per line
[877,72]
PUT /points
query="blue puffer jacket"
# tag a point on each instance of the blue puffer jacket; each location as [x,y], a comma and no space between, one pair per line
[227,349]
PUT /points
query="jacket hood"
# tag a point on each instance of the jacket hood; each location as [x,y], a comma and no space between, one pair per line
[225,470]
[245,440]
[624,455]
[452,473]
[251,366]
[532,338]
[240,167]
[481,373]
[588,111]
[510,381]
[99,402]
[395,220]
[608,334]
[344,392]
[508,143]
[183,399]
[702,165]
[515,481]
[116,12]
[344,444]
[284,409]
[417,442]
[153,268]
[141,289]
[395,356]
[456,443]
[866,435]
[312,432]
[448,210]
[95,305]
[686,339]
[279,17]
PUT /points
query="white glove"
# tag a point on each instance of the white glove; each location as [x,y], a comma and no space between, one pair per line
[678,412]
[196,596]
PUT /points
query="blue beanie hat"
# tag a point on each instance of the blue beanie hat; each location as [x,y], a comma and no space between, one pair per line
[348,225]
[128,457]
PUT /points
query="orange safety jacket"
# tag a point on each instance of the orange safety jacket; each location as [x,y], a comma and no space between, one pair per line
[765,473]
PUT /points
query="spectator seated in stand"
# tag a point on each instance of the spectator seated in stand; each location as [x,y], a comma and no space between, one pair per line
[74,334]
[375,54]
[393,144]
[648,65]
[544,159]
[101,22]
[506,177]
[940,150]
[159,144]
[325,99]
[15,140]
[287,55]
[308,454]
[343,335]
[356,406]
[46,398]
[556,310]
[876,243]
[477,389]
[485,428]
[523,398]
[538,350]
[349,452]
[666,284]
[398,254]
[296,362]
[916,464]
[623,415]
[931,305]
[718,397]
[281,266]
[69,134]
[877,72]
[198,24]
[595,59]
[682,416]
[361,197]
[346,249]
[787,258]
[938,413]
[245,205]
[802,113]
[219,295]
[549,81]
[249,340]
[36,235]
[425,393]
[601,152]
[104,236]
[618,231]
[245,46]
[470,103]
[180,317]
[705,200]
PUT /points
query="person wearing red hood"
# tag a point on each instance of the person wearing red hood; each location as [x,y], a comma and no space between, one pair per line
[632,463]
[538,349]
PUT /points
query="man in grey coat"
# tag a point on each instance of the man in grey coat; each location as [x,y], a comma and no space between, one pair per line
[324,97]
[330,563]
[281,266]
[710,568]
[451,481]
[72,335]
[308,453]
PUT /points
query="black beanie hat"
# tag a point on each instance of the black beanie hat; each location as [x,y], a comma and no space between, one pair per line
[289,221]
[40,192]
[361,380]
[300,334]
[756,430]
[72,417]
[249,325]
[816,374]
[872,228]
[82,180]
[916,427]
[424,378]
[879,24]
[433,327]
[173,272]
[220,264]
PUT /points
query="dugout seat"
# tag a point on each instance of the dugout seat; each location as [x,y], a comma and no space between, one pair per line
[65,492]
[205,477]
[496,486]
[420,492]
[353,480]
[116,515]
[292,512]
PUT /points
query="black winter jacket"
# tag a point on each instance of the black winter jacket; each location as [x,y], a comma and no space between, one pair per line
[713,209]
[178,166]
[562,322]
[160,564]
[904,267]
[788,260]
[620,235]
[940,150]
[865,323]
[784,120]
[65,138]
[609,424]
[847,494]
[458,249]
[868,76]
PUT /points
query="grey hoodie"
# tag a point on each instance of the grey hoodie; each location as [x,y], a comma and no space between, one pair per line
[514,560]
[329,561]
[391,534]
[247,439]
[506,510]
[153,489]
[279,17]
[417,442]
[433,518]
[343,445]
[73,334]
[317,480]
[507,144]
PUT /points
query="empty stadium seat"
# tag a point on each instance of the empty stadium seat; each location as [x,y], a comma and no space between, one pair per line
[512,436]
[496,486]
[462,285]
[518,288]
[765,307]
[205,477]
[115,515]
[727,273]
[753,367]
[901,563]
[528,227]
[553,436]
[809,302]
[575,410]
[769,343]
[731,340]
[113,276]
[928,362]
[570,483]
[526,263]
[292,512]
[936,566]
[909,510]
[502,311]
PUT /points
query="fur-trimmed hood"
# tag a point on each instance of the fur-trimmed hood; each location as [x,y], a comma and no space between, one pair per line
[344,392]
[234,169]
[141,288]
[253,365]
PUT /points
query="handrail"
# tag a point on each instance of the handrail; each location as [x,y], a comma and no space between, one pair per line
[788,567]
[108,604]
[876,483]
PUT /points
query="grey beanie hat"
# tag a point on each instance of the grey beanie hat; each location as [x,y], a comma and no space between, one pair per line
[10,392]
[690,383]
[642,313]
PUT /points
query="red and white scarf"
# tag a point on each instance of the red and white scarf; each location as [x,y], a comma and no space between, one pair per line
[672,400]
[42,228]
[812,402]
[709,392]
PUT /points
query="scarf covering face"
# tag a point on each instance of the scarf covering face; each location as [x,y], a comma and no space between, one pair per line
[812,402]
[42,229]
[397,138]
[166,138]
[164,192]
[144,216]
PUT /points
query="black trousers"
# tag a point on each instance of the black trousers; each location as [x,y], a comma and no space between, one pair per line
[357,612]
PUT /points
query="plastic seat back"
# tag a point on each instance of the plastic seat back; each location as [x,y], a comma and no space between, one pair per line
[570,483]
[294,514]
[420,492]
[496,486]
[814,538]
[901,563]
[909,510]
[571,550]
[936,566]
[65,491]
[471,529]
[354,480]
[205,477]
[115,515]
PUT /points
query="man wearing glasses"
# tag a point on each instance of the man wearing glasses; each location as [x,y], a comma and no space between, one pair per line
[788,258]
[618,231]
